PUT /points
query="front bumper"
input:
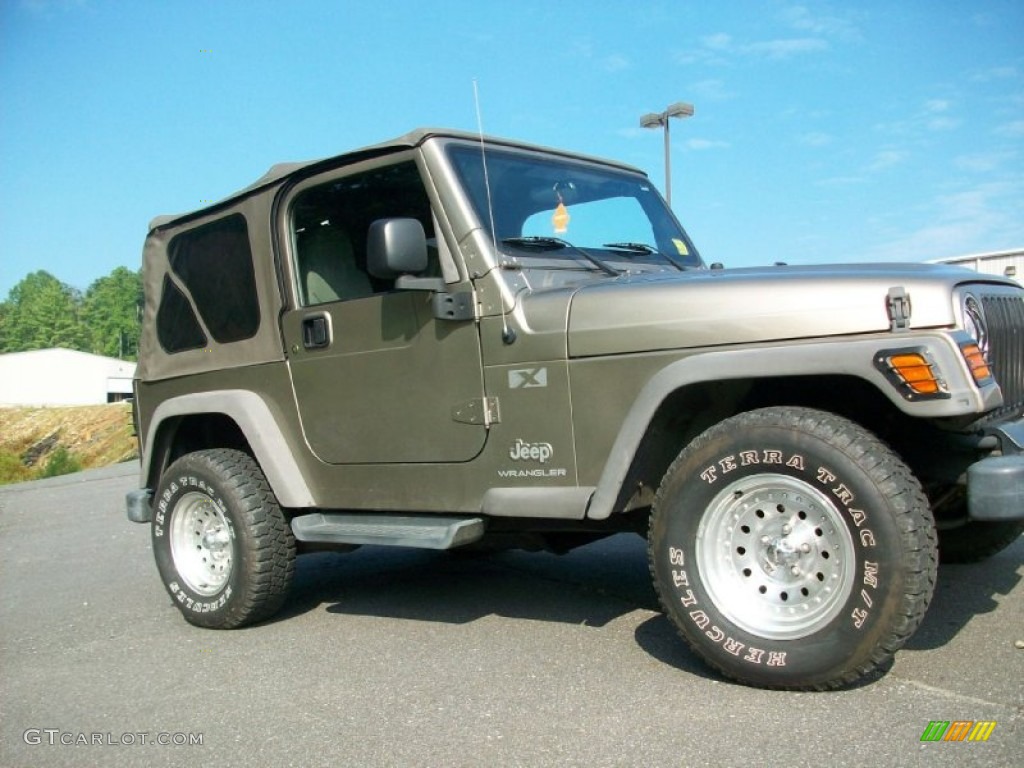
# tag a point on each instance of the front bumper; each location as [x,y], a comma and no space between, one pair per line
[139,505]
[995,485]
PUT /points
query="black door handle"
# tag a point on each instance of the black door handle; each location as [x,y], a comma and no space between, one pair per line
[316,332]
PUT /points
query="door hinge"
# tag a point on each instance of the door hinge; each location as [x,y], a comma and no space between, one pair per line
[479,410]
[454,306]
[898,305]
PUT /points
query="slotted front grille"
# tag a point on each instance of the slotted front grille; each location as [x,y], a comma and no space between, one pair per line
[1005,316]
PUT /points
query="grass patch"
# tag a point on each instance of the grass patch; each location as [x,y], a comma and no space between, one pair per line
[60,462]
[12,470]
[47,442]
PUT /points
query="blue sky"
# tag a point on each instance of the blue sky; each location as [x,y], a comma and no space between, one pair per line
[824,131]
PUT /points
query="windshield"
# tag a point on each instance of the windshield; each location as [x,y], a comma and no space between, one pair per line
[554,213]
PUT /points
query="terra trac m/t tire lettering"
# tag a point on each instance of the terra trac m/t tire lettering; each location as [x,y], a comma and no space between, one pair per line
[792,549]
[222,545]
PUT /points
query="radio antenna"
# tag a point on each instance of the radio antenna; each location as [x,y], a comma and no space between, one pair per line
[508,335]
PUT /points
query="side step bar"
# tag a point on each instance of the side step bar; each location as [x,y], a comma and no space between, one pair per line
[422,531]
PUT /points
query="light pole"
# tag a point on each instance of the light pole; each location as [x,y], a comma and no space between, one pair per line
[661,119]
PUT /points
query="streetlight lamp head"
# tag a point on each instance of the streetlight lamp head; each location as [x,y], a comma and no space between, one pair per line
[652,120]
[680,109]
[661,120]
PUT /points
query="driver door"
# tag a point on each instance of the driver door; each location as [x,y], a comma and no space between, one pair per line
[377,378]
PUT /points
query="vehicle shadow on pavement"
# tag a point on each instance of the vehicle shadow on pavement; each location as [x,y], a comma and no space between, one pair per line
[659,639]
[965,591]
[592,585]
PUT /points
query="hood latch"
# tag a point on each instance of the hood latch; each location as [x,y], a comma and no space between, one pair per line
[898,305]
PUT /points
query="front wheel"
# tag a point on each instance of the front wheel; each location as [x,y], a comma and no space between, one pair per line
[792,549]
[222,545]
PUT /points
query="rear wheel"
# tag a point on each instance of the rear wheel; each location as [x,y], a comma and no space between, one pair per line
[222,545]
[792,549]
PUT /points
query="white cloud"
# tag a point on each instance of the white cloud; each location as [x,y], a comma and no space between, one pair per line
[713,90]
[799,17]
[841,181]
[887,158]
[717,42]
[933,115]
[633,132]
[943,124]
[984,162]
[616,63]
[702,144]
[1014,130]
[815,139]
[995,73]
[787,48]
[974,220]
[45,7]
[714,49]
[610,62]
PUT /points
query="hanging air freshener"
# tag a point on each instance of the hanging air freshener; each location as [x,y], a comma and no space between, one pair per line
[560,218]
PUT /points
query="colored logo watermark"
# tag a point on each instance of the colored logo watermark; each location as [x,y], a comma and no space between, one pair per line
[958,730]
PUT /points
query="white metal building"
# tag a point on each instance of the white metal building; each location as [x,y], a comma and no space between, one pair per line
[63,377]
[1008,263]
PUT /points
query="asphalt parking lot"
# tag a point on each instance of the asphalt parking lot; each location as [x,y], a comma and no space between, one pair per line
[387,657]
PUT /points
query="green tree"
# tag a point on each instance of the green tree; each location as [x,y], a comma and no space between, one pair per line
[42,312]
[110,314]
[4,312]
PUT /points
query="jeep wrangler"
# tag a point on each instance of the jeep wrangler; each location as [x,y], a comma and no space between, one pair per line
[448,341]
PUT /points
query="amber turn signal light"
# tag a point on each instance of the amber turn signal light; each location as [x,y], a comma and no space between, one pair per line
[913,372]
[916,372]
[976,362]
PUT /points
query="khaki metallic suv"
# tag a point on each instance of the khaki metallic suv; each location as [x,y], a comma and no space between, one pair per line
[445,342]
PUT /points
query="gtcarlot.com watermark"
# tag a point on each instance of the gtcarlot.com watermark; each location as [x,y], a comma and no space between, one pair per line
[54,737]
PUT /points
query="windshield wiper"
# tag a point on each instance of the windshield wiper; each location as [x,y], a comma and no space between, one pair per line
[645,248]
[634,247]
[540,243]
[556,243]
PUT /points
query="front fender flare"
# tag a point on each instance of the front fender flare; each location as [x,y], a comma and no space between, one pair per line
[846,357]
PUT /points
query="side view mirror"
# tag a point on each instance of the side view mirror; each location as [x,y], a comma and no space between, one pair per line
[396,247]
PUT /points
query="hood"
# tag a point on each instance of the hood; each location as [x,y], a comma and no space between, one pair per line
[742,306]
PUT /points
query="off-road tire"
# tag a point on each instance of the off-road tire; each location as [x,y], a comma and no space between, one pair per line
[792,549]
[222,545]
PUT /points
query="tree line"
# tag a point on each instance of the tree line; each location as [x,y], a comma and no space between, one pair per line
[42,312]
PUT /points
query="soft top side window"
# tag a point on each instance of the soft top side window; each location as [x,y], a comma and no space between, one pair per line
[330,223]
[214,263]
[177,327]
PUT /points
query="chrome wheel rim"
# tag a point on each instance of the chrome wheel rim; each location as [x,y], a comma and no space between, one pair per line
[201,544]
[776,556]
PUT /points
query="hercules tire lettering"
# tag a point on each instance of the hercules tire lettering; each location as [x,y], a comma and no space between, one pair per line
[808,572]
[255,541]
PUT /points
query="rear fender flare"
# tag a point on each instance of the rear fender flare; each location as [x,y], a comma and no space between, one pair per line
[254,417]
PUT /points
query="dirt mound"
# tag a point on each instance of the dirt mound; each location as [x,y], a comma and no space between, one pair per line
[92,435]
